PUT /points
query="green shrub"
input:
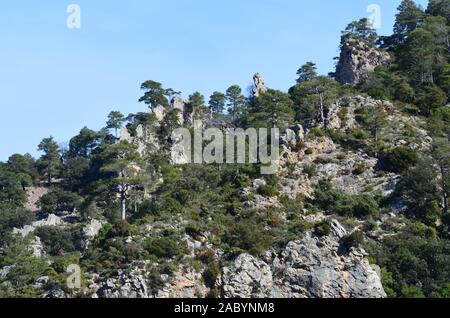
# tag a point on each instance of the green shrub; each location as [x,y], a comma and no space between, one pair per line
[249,237]
[56,240]
[213,293]
[211,273]
[310,170]
[165,247]
[120,229]
[11,217]
[299,227]
[412,292]
[353,240]
[268,191]
[323,228]
[59,202]
[365,206]
[400,160]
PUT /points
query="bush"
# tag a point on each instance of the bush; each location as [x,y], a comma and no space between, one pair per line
[247,236]
[267,191]
[400,160]
[11,217]
[165,247]
[210,274]
[120,229]
[365,206]
[310,170]
[353,240]
[59,202]
[323,228]
[57,241]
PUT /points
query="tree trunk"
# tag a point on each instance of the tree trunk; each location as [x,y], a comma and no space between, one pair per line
[322,114]
[123,204]
[445,194]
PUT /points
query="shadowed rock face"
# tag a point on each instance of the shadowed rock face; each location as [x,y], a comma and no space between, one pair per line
[357,59]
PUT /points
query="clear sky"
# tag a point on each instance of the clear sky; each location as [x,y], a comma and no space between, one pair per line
[54,80]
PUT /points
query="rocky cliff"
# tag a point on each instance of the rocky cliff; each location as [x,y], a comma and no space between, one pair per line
[356,60]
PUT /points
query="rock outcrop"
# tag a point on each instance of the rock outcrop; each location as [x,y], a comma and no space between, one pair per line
[259,85]
[247,278]
[311,267]
[124,285]
[357,59]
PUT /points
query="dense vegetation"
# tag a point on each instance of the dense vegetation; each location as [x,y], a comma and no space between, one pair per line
[96,176]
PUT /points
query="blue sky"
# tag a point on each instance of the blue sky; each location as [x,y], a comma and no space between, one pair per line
[54,81]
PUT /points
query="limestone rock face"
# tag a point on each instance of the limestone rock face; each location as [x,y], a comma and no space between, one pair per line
[357,59]
[125,285]
[186,284]
[260,86]
[310,267]
[247,278]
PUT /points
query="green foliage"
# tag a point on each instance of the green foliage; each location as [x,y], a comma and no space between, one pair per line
[439,8]
[155,94]
[210,274]
[312,98]
[115,121]
[355,239]
[336,201]
[323,228]
[267,191]
[360,30]
[364,206]
[248,236]
[57,241]
[408,18]
[430,97]
[235,101]
[196,105]
[25,270]
[11,217]
[271,109]
[165,247]
[24,165]
[217,102]
[49,164]
[168,125]
[420,191]
[12,186]
[417,265]
[59,202]
[400,159]
[307,72]
[86,143]
[310,170]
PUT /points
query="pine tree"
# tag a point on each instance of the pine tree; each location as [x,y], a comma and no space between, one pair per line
[50,162]
[307,72]
[236,101]
[115,121]
[217,102]
[122,165]
[271,109]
